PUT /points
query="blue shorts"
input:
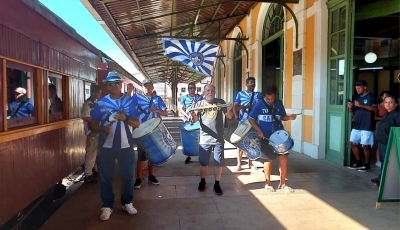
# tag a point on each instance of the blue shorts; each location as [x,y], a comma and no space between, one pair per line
[205,153]
[362,137]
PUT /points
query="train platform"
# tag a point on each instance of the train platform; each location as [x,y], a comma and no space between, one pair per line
[327,196]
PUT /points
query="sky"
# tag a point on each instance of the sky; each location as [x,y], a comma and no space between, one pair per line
[74,13]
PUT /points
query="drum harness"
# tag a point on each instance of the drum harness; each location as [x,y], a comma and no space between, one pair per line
[150,104]
[271,108]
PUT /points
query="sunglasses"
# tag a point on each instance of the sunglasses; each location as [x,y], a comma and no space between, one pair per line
[114,83]
[191,88]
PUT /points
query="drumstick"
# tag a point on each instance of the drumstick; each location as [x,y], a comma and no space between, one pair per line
[269,140]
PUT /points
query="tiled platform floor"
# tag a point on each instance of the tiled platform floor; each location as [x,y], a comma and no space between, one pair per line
[327,196]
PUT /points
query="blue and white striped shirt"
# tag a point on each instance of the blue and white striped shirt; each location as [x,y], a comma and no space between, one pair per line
[243,98]
[25,111]
[120,136]
[143,102]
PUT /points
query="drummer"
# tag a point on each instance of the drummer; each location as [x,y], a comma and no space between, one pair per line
[266,117]
[187,102]
[244,101]
[211,136]
[150,106]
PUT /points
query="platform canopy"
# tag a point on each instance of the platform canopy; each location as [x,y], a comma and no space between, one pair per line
[138,26]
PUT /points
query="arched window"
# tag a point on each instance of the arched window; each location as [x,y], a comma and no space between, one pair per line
[273,20]
[237,67]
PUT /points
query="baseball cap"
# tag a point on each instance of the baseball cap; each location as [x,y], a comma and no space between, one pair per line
[20,90]
[361,83]
[146,81]
[112,76]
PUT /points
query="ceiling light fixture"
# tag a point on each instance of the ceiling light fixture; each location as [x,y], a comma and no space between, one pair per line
[370,57]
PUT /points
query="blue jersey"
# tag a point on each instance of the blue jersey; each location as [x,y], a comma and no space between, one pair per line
[364,119]
[25,111]
[189,102]
[143,103]
[120,136]
[263,116]
[244,98]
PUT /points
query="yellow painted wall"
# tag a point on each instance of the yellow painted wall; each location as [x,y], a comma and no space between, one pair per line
[252,63]
[309,64]
[288,68]
[309,3]
[254,16]
[307,128]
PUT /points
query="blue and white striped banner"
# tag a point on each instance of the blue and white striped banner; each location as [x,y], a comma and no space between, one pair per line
[198,56]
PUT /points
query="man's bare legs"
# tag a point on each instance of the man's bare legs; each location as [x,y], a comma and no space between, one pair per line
[239,160]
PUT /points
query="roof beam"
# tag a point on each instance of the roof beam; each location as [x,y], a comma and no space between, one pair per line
[172,13]
[272,1]
[183,27]
[203,38]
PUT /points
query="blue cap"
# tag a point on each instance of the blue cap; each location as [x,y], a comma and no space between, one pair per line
[112,76]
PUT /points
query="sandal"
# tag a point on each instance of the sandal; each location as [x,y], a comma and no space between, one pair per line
[286,188]
[270,188]
[239,168]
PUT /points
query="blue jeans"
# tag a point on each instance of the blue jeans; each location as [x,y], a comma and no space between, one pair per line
[205,154]
[382,154]
[127,168]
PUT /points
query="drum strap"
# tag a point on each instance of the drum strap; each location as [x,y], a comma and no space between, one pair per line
[251,101]
[150,104]
[271,108]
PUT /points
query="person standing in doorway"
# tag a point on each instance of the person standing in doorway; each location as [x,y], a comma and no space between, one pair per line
[150,106]
[114,117]
[188,102]
[390,119]
[92,138]
[378,116]
[211,135]
[244,102]
[363,107]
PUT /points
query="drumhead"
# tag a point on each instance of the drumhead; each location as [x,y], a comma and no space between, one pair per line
[279,137]
[189,126]
[240,131]
[146,127]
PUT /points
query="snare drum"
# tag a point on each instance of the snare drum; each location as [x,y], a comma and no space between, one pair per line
[246,139]
[156,140]
[281,142]
[190,138]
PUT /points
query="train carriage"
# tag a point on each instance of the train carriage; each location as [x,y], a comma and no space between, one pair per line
[44,61]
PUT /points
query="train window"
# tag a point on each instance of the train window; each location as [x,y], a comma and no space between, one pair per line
[55,96]
[87,90]
[198,89]
[183,90]
[20,95]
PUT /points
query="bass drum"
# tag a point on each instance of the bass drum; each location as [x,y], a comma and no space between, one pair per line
[190,137]
[246,139]
[156,140]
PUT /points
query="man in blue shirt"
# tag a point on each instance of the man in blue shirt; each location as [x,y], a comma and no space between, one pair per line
[150,106]
[188,101]
[92,139]
[20,108]
[364,109]
[115,117]
[244,102]
[266,117]
[211,135]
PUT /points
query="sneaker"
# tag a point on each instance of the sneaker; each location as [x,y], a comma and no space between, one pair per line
[378,164]
[254,168]
[376,180]
[90,179]
[187,161]
[129,209]
[218,190]
[356,166]
[365,169]
[153,180]
[105,215]
[138,183]
[202,186]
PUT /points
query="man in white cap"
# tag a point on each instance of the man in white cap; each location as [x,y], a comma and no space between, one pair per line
[114,117]
[20,107]
[150,106]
